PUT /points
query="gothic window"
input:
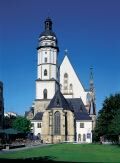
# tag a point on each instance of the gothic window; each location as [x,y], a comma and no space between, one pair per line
[57,123]
[65,75]
[71,86]
[45,59]
[66,82]
[84,137]
[45,72]
[45,94]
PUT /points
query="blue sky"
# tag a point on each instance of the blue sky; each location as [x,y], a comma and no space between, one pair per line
[89,29]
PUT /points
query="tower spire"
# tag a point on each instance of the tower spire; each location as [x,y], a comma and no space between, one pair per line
[92,109]
[91,79]
[48,24]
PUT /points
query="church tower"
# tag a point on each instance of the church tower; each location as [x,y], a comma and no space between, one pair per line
[47,67]
[92,106]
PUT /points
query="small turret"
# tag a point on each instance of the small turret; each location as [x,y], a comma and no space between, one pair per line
[92,109]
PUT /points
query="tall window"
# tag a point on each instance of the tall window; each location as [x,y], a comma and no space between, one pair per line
[57,123]
[45,72]
[45,94]
[79,137]
[45,59]
[38,125]
[84,137]
[65,82]
[71,88]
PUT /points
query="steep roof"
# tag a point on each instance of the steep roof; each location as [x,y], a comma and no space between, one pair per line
[82,116]
[59,101]
[77,104]
[38,116]
[80,111]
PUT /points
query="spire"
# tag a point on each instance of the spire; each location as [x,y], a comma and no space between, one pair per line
[92,109]
[48,24]
[91,79]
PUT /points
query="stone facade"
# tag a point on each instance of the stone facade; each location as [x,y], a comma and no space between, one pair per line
[66,126]
[40,105]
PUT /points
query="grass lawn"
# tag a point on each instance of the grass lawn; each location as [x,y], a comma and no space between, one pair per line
[69,153]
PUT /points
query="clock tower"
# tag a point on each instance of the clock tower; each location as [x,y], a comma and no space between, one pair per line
[47,67]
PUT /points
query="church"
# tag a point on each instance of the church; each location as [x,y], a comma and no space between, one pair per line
[63,110]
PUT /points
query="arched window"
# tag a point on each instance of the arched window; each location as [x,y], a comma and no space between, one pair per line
[45,94]
[57,123]
[65,75]
[45,59]
[84,137]
[71,86]
[65,83]
[45,72]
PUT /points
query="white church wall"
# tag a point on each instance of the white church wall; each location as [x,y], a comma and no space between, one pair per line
[41,85]
[45,67]
[53,71]
[36,127]
[87,130]
[78,90]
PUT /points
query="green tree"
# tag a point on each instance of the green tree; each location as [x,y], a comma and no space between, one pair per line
[107,118]
[8,120]
[114,128]
[22,124]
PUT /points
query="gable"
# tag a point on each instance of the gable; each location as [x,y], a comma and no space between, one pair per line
[78,90]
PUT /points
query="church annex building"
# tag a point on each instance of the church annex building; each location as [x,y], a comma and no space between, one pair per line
[62,110]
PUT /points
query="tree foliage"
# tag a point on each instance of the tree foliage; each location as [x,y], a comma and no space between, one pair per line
[115,124]
[108,120]
[8,120]
[22,124]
